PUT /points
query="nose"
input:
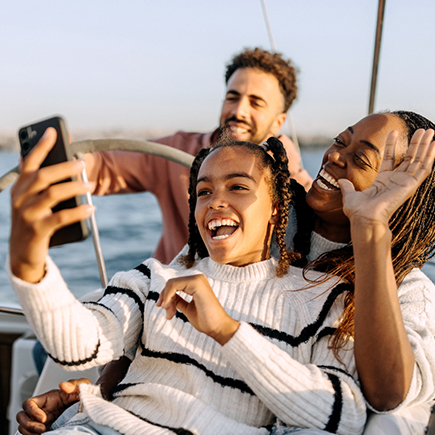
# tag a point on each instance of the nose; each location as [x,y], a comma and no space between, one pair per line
[336,158]
[217,201]
[241,109]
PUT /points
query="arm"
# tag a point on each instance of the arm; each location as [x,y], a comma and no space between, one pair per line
[113,373]
[89,337]
[318,394]
[120,171]
[300,394]
[383,354]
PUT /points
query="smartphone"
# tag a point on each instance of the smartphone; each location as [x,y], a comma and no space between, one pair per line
[29,136]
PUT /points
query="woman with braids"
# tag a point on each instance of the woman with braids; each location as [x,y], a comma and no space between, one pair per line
[225,342]
[390,313]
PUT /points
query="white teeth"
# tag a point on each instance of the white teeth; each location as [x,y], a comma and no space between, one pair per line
[238,130]
[221,237]
[323,185]
[221,222]
[329,179]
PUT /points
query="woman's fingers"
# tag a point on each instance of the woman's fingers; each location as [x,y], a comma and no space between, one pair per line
[31,183]
[204,311]
[169,300]
[417,153]
[38,206]
[389,159]
[421,157]
[33,160]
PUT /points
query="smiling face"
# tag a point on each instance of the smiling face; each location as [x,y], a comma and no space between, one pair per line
[253,106]
[234,211]
[356,154]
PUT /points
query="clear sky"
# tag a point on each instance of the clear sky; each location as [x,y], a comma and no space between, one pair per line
[148,64]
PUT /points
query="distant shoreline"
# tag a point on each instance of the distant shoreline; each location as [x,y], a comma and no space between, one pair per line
[9,142]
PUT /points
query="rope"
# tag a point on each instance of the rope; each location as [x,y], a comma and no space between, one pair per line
[273,47]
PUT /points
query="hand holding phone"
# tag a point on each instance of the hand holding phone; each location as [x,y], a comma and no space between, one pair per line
[29,136]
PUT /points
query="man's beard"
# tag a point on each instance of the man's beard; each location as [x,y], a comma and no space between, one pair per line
[225,133]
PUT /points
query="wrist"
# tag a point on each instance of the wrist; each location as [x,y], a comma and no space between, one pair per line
[367,229]
[226,332]
[26,272]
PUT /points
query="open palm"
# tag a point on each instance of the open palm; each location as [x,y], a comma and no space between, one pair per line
[392,187]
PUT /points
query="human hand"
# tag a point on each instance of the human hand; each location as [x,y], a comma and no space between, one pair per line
[33,196]
[40,412]
[204,312]
[391,188]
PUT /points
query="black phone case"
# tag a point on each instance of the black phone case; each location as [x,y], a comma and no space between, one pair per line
[29,136]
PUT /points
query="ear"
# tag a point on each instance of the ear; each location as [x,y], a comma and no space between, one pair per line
[277,124]
[275,216]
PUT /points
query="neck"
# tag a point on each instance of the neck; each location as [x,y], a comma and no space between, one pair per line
[331,231]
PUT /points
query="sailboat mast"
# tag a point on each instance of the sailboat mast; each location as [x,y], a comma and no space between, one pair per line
[379,25]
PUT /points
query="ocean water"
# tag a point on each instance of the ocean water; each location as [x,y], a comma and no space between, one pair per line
[129,226]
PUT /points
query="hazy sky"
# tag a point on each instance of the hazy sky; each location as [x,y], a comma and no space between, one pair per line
[160,64]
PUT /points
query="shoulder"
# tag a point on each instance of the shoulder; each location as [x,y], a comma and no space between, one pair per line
[416,285]
[417,296]
[191,142]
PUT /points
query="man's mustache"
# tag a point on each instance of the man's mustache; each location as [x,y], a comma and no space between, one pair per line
[234,119]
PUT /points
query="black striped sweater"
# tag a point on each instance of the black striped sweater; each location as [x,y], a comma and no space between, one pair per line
[181,381]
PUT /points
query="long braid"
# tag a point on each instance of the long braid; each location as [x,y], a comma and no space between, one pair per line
[304,219]
[413,238]
[194,241]
[282,198]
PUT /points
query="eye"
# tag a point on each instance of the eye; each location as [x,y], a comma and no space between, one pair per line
[257,103]
[238,187]
[338,142]
[362,161]
[203,192]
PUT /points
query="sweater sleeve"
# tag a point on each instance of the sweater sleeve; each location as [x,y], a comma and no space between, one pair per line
[318,395]
[129,172]
[122,171]
[79,336]
[417,304]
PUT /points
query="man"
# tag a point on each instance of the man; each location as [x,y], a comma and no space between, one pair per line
[261,87]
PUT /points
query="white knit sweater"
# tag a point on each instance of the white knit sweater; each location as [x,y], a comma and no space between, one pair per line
[277,364]
[417,305]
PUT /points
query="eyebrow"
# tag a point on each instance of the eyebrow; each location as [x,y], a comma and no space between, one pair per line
[255,97]
[228,177]
[366,142]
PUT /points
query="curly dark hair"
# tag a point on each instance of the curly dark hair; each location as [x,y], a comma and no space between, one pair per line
[279,182]
[413,236]
[272,63]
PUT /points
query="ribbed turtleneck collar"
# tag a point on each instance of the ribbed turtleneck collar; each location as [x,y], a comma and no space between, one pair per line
[252,272]
[320,245]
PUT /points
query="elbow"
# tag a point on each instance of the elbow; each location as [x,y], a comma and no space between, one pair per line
[386,401]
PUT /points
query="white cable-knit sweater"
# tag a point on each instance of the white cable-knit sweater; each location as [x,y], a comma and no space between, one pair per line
[277,364]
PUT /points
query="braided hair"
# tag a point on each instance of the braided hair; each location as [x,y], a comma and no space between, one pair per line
[413,237]
[279,183]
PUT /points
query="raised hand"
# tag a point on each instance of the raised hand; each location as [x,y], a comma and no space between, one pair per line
[40,412]
[204,312]
[33,196]
[392,187]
